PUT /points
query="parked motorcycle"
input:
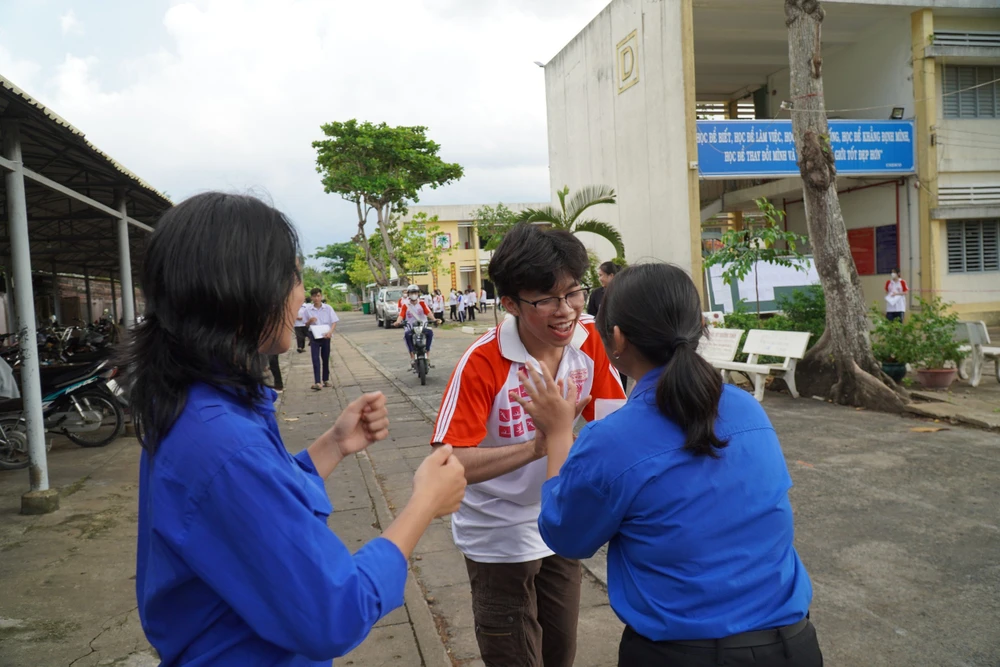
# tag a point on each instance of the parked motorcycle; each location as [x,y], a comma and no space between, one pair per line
[77,404]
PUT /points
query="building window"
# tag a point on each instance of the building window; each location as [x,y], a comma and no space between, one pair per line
[973,246]
[971,91]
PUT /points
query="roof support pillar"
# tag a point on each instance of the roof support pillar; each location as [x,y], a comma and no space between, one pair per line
[114,300]
[56,305]
[89,308]
[125,263]
[40,499]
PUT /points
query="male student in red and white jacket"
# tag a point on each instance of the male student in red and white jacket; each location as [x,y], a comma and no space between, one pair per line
[537,275]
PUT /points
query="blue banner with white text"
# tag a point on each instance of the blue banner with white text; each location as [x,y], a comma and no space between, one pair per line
[766,148]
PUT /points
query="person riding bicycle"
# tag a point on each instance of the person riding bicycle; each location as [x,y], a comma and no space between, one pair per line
[415,310]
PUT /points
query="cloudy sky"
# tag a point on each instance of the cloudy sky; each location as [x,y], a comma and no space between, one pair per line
[229,94]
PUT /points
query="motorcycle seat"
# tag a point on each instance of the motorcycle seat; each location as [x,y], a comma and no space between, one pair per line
[8,405]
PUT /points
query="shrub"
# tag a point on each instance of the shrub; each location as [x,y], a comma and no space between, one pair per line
[804,310]
[935,339]
[893,341]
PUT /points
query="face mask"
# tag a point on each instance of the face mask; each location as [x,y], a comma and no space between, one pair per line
[413,298]
[895,276]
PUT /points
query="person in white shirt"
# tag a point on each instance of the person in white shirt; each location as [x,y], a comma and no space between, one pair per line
[437,307]
[453,305]
[482,301]
[301,329]
[895,296]
[470,304]
[318,314]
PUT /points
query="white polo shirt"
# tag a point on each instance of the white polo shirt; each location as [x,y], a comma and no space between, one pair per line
[300,320]
[498,519]
[324,314]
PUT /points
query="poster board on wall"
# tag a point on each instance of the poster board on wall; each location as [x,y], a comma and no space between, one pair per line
[862,242]
[886,249]
[772,281]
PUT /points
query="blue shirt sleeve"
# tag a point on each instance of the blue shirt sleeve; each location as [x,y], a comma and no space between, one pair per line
[306,463]
[260,541]
[579,512]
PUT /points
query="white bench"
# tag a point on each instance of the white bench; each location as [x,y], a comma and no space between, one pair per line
[790,346]
[720,345]
[977,344]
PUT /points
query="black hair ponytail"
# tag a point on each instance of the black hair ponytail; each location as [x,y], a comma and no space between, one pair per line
[657,309]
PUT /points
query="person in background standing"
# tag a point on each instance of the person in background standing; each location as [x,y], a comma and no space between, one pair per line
[437,305]
[470,304]
[895,296]
[482,301]
[453,306]
[320,313]
[605,273]
[301,329]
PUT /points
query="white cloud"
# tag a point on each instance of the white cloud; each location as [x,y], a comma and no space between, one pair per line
[69,24]
[22,72]
[237,96]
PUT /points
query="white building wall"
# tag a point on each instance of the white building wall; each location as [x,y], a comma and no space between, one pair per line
[634,141]
[874,72]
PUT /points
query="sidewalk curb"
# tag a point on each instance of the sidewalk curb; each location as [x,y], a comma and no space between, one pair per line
[426,409]
[432,649]
[598,569]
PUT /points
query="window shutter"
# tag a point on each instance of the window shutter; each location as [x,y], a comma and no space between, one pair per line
[956,249]
[991,239]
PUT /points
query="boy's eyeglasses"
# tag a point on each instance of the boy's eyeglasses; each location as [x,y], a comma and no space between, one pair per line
[575,299]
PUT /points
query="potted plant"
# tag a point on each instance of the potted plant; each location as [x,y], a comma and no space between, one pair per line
[937,354]
[894,344]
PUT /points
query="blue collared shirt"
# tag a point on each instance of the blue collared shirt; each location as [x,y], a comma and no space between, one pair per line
[236,565]
[700,548]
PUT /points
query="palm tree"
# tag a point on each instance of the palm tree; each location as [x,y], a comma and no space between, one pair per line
[568,217]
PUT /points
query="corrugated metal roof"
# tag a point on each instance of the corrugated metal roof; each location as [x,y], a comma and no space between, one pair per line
[9,85]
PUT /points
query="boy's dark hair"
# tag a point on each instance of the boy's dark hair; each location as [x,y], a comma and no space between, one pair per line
[534,259]
[314,291]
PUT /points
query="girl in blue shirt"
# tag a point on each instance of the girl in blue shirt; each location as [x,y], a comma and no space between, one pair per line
[687,483]
[235,563]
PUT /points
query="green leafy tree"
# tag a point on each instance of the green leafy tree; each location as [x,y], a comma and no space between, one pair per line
[380,169]
[742,249]
[336,257]
[492,223]
[416,251]
[569,216]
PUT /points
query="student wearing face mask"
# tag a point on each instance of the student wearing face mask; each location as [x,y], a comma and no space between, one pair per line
[414,310]
[895,296]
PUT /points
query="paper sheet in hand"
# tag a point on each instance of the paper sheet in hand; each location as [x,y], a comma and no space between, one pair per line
[319,330]
[605,406]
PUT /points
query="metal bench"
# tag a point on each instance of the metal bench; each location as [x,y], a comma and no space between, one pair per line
[976,339]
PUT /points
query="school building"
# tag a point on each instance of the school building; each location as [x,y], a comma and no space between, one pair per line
[463,262]
[683,106]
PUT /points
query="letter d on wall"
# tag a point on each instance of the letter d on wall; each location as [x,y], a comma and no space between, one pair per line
[628,62]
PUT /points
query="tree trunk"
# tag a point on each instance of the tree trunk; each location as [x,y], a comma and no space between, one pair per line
[841,366]
[384,214]
[375,265]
